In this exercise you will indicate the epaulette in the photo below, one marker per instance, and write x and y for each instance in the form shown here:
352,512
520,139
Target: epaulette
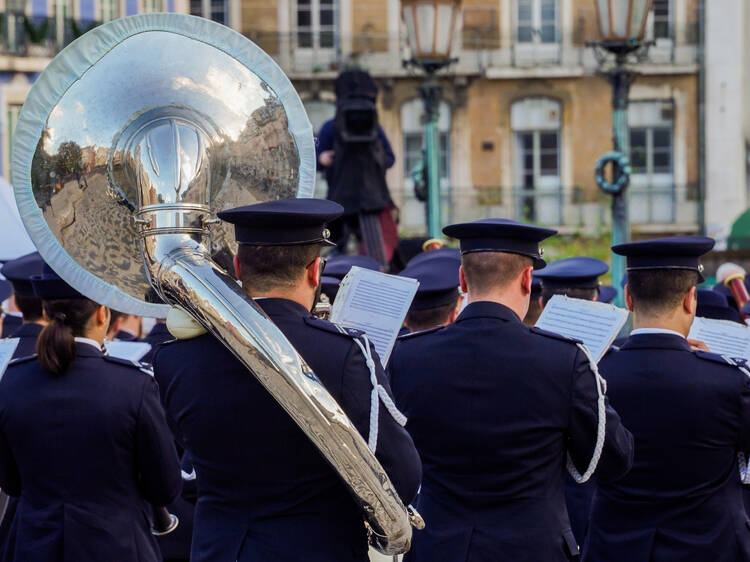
554,335
723,359
332,328
167,342
128,363
411,335
19,360
611,349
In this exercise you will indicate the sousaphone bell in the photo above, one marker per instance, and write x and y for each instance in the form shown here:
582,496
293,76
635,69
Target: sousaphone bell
128,144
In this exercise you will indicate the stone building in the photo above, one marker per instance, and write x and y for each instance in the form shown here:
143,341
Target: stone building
524,115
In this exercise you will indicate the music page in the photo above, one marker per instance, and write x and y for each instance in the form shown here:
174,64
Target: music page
722,336
7,348
130,350
596,324
375,303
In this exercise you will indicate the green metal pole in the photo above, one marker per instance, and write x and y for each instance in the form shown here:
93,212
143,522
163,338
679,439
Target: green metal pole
620,79
430,92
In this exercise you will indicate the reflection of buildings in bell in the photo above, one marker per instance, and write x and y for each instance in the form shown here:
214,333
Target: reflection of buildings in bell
83,239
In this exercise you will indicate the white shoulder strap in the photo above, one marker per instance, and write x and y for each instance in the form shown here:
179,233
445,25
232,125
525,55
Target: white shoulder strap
741,458
378,394
601,428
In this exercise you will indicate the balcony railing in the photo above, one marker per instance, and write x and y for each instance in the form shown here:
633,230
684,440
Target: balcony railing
668,208
477,52
21,35
480,47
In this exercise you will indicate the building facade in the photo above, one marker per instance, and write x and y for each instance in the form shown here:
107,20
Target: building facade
524,115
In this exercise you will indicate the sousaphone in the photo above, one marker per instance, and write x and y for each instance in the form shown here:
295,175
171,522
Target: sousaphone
128,144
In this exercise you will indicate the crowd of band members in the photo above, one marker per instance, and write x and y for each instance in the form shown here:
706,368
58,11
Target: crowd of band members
511,449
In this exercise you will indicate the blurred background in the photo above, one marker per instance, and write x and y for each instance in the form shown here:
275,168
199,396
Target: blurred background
523,111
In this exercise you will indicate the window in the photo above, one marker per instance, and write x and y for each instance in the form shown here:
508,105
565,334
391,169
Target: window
12,118
413,211
63,12
536,132
537,21
216,10
150,6
316,24
109,10
662,23
652,190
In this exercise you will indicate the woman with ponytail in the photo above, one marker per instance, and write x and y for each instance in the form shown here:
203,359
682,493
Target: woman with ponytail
84,444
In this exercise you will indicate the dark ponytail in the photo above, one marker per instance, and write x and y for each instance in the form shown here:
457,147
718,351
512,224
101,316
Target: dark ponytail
56,346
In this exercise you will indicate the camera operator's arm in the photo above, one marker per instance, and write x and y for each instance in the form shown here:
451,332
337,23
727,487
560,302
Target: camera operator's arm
324,146
390,158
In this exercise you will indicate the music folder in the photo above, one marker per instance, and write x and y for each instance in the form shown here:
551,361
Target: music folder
375,303
596,324
7,349
722,336
130,350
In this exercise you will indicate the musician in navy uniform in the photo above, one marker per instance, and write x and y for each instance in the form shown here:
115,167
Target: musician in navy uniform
84,443
265,492
689,412
577,278
437,299
19,272
497,409
713,304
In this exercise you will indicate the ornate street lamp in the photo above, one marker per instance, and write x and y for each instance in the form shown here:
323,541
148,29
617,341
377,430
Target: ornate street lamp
431,26
622,24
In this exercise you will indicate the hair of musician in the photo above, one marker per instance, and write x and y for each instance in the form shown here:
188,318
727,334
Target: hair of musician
655,291
30,307
114,315
271,267
420,320
487,271
577,293
223,258
56,346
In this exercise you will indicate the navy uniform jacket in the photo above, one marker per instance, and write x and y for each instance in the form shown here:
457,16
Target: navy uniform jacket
27,335
83,451
494,408
157,335
690,415
10,324
264,491
175,545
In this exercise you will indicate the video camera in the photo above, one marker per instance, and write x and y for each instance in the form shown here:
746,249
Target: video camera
356,118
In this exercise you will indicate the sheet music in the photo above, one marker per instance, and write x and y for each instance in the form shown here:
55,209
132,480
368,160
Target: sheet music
722,336
375,303
131,350
7,349
596,324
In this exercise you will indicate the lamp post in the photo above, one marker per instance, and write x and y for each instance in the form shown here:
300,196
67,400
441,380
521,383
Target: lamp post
621,24
430,26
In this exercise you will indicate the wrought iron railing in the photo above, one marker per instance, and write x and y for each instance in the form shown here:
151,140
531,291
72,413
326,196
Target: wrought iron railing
23,35
671,207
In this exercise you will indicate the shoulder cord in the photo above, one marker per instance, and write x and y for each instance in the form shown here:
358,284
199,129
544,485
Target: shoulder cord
377,395
601,428
741,459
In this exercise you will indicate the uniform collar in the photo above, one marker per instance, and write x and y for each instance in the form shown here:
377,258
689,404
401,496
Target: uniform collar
657,340
282,307
488,309
86,347
650,331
